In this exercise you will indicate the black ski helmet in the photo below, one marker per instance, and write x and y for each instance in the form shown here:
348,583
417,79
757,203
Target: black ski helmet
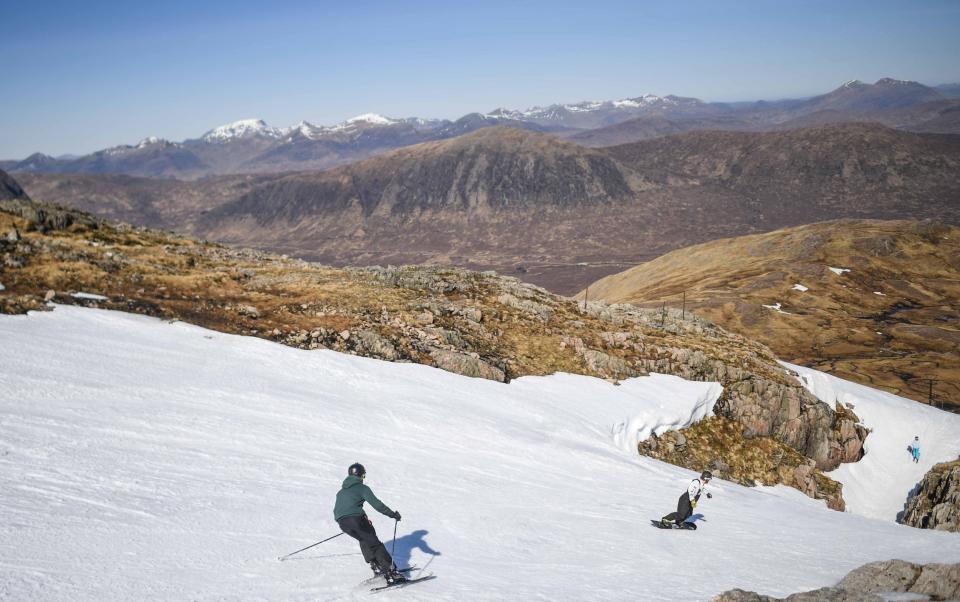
706,474
357,470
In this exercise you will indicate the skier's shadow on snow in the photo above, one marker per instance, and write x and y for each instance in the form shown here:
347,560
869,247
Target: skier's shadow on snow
696,518
405,545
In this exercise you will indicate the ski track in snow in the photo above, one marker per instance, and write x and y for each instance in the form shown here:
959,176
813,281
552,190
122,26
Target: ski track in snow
144,460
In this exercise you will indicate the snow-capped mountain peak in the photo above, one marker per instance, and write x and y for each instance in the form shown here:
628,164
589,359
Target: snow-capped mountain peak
372,118
244,128
149,140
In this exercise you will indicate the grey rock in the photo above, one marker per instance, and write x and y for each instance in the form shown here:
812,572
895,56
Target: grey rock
873,582
939,581
465,364
607,365
537,310
376,344
833,594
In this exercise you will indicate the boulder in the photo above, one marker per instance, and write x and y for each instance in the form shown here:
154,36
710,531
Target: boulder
375,344
883,576
874,582
248,311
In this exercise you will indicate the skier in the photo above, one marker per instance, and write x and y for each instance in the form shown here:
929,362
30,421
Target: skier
915,449
687,502
349,514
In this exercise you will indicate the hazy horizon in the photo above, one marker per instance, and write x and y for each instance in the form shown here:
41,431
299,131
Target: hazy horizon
87,77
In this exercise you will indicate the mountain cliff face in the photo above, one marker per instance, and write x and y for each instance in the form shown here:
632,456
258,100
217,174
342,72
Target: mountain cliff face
493,169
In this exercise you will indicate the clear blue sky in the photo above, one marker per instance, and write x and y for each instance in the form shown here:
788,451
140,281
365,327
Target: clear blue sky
84,75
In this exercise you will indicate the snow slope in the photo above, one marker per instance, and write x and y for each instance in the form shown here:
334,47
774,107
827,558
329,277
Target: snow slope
878,485
146,460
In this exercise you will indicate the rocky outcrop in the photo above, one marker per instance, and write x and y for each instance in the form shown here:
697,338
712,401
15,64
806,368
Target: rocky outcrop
765,402
936,502
874,582
718,444
797,418
44,217
9,188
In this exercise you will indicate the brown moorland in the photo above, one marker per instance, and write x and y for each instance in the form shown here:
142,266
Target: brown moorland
889,319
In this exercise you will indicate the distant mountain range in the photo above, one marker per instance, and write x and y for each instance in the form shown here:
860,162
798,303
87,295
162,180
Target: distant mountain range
252,146
564,214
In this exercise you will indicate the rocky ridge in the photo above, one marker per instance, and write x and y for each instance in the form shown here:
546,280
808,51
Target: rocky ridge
475,323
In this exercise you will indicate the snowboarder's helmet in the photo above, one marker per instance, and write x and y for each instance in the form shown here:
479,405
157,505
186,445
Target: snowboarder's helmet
706,475
357,470
916,438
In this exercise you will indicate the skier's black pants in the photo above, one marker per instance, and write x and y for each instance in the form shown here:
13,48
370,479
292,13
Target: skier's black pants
361,529
684,510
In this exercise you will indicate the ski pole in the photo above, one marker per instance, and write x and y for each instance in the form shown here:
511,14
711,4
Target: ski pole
282,558
393,546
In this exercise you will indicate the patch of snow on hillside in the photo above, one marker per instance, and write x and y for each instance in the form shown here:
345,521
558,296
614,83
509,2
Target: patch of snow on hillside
838,271
777,308
88,296
800,287
877,486
879,293
141,459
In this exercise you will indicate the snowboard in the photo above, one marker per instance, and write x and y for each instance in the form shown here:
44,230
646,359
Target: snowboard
685,527
402,584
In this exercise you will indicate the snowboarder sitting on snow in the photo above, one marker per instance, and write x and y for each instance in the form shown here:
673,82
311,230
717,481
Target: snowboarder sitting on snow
687,502
349,514
915,450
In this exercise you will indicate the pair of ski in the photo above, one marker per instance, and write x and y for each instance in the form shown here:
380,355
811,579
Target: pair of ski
400,584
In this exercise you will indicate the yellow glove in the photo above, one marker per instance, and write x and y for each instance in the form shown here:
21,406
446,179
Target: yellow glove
693,504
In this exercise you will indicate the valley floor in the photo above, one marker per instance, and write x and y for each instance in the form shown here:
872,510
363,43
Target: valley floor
147,460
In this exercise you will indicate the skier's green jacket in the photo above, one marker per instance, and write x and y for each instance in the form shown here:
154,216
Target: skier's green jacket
351,497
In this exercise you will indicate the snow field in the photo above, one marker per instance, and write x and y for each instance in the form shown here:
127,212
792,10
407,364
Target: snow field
141,459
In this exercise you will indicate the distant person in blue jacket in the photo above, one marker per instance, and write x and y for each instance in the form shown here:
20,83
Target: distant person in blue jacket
915,450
